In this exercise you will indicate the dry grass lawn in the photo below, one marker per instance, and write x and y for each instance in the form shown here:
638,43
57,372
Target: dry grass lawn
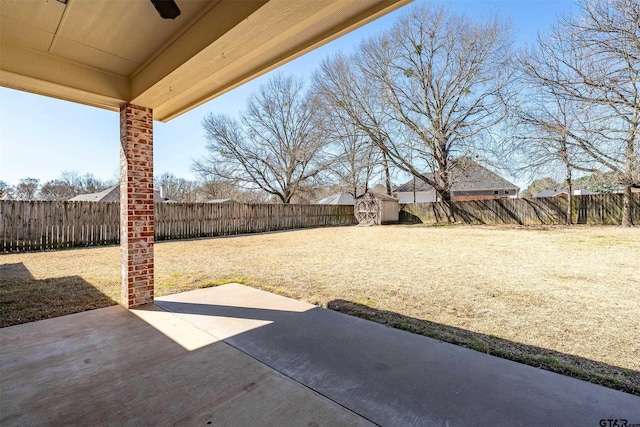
566,299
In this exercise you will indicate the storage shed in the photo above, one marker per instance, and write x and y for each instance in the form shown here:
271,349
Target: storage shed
375,208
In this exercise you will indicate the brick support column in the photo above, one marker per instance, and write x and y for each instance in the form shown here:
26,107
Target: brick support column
136,204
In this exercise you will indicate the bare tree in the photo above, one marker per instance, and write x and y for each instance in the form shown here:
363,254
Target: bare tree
179,188
72,180
27,189
427,91
276,147
353,110
56,190
70,184
592,59
546,183
6,191
547,131
354,159
599,182
88,183
210,188
356,162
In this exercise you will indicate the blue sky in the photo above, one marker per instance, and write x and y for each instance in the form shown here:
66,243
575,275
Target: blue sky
40,137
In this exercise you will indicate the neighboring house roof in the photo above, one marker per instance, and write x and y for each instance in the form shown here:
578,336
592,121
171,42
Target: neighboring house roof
407,187
222,201
550,193
583,192
467,175
379,196
553,193
112,194
379,189
168,199
337,199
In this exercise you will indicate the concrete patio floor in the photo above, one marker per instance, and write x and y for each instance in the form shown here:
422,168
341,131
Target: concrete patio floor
236,356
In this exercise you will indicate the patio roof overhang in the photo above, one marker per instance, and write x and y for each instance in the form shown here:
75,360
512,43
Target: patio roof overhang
107,53
122,55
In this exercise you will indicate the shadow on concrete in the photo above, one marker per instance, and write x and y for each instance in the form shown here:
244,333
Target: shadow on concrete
614,377
24,298
390,376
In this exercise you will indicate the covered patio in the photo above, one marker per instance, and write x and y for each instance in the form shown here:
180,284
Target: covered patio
229,355
236,356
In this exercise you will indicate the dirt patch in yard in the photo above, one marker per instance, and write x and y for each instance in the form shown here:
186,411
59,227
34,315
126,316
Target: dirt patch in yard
565,299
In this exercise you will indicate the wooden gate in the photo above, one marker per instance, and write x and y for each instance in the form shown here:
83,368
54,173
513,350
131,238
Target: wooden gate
368,209
582,209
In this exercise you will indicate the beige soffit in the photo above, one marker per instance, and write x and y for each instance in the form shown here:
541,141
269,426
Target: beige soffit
108,52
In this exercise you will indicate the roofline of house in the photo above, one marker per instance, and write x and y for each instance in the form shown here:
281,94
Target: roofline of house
479,189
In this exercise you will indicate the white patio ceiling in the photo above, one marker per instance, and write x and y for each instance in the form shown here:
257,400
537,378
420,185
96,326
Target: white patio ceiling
105,53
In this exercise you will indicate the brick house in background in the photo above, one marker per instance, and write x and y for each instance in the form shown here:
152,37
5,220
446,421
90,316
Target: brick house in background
471,181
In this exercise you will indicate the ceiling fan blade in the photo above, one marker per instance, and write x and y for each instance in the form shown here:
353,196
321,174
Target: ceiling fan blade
168,9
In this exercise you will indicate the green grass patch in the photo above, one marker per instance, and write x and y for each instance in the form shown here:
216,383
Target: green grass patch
366,303
224,281
400,324
477,345
550,361
627,372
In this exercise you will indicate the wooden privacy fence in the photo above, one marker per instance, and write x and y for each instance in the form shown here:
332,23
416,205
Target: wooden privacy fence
38,225
185,220
598,209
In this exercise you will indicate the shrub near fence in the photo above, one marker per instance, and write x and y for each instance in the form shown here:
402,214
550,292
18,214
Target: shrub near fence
39,225
598,209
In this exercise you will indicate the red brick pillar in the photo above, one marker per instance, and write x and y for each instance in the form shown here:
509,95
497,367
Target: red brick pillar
136,204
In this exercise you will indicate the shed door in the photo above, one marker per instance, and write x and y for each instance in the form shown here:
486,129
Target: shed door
368,211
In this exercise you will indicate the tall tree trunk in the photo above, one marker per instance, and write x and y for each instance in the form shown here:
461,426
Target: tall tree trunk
414,189
445,198
627,206
387,175
627,200
569,197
